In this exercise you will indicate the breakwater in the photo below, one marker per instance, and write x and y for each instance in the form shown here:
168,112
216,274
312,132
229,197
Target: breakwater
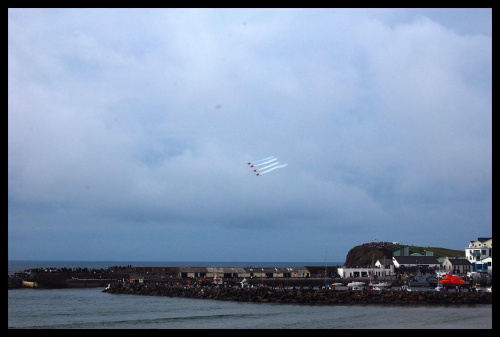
302,296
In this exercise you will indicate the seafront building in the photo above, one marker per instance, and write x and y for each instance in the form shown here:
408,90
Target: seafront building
246,272
478,258
457,265
477,265
480,253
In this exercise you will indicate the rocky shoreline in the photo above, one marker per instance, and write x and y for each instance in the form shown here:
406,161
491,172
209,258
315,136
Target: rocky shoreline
303,296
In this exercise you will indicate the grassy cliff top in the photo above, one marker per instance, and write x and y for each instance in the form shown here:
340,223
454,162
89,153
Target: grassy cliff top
438,251
365,254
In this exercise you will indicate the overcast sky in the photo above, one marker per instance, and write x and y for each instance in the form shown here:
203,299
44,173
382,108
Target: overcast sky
130,130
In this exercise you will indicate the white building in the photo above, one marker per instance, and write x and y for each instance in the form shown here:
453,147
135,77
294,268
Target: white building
382,268
350,272
416,261
479,253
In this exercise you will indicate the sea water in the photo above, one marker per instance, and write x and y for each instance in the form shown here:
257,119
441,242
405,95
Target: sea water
90,308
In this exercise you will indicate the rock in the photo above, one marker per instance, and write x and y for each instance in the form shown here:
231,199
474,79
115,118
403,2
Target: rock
309,296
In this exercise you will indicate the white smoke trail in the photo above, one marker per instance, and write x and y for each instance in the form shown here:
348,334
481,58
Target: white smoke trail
260,160
266,162
274,168
268,166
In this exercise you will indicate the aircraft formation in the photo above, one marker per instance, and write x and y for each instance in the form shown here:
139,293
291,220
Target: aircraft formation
273,165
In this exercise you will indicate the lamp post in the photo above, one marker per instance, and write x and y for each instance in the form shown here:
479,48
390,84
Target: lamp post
326,255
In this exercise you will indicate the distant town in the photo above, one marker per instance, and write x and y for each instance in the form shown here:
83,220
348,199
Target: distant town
403,269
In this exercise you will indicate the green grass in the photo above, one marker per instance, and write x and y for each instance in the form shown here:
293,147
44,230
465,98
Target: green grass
438,251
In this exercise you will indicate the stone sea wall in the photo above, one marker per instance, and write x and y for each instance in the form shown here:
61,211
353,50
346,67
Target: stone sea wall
304,296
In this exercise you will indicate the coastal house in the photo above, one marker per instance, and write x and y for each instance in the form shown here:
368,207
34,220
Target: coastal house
427,262
381,269
300,272
352,272
240,272
214,272
384,267
201,272
283,271
193,272
480,254
454,265
270,272
234,272
259,272
319,271
277,272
